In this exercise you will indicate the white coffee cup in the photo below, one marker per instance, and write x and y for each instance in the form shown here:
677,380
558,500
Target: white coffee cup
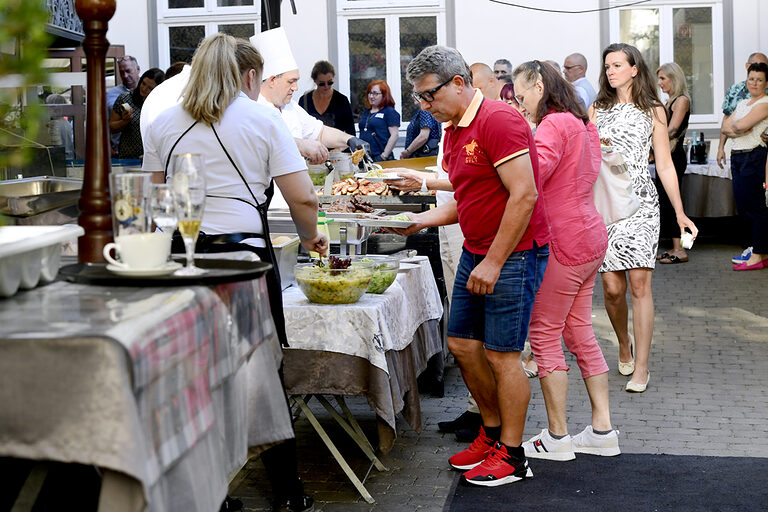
139,251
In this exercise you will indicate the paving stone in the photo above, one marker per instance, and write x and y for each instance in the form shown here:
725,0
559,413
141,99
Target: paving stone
708,396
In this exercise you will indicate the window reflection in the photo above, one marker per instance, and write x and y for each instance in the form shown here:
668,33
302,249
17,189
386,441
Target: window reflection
416,33
693,52
367,58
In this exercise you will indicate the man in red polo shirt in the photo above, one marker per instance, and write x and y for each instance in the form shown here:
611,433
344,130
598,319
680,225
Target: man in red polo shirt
490,157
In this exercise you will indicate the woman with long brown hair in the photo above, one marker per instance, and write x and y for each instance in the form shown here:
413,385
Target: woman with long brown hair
568,150
630,117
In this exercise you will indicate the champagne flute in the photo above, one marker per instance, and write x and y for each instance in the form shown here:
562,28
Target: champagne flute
189,193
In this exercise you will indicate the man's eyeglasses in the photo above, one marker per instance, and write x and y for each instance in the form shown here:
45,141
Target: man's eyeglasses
429,96
323,84
571,67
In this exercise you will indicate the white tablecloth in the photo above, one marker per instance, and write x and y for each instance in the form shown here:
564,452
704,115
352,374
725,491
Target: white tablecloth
371,326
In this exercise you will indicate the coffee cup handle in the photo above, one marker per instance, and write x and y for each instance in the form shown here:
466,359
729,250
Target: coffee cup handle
108,256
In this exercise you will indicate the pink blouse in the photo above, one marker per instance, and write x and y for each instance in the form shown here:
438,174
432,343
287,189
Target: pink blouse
569,162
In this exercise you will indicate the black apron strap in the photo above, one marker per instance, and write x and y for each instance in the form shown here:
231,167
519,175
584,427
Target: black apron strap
170,153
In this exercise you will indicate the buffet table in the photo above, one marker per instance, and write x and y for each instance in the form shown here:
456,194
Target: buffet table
376,347
164,389
706,190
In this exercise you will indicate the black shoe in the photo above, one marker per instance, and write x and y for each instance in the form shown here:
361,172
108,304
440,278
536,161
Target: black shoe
296,504
231,505
467,420
467,435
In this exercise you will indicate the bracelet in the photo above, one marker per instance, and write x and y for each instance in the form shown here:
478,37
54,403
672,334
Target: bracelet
424,185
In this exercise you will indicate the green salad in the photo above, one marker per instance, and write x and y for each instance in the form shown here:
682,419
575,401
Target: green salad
324,285
384,274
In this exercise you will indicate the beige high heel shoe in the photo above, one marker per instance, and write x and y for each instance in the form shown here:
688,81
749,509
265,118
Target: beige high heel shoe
628,368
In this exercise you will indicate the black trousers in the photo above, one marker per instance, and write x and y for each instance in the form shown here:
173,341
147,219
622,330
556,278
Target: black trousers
748,172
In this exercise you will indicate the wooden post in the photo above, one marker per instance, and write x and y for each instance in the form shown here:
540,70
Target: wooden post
95,208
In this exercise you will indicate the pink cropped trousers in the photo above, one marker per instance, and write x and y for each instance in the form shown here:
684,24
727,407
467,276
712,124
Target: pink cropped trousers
563,308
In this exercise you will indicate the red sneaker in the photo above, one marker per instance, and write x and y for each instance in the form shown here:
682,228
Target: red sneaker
498,468
475,454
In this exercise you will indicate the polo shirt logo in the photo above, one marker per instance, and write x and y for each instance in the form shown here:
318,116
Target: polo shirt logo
469,150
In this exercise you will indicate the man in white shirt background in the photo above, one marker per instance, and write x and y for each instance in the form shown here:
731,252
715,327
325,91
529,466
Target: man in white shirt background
575,70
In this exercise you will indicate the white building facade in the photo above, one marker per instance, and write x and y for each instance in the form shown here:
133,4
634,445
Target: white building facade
375,39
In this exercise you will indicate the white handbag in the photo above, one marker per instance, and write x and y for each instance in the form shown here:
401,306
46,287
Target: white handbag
614,197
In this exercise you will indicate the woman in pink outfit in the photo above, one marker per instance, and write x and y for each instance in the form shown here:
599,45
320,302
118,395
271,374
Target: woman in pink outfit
568,148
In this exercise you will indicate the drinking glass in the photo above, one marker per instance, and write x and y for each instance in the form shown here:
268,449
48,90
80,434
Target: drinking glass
162,207
188,183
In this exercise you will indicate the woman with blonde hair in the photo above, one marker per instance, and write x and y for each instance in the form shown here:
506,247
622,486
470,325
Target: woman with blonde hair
671,80
246,146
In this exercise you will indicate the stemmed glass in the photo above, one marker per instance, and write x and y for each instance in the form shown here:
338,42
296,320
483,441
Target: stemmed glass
162,207
188,183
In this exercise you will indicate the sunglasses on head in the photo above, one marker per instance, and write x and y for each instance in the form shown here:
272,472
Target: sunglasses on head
323,84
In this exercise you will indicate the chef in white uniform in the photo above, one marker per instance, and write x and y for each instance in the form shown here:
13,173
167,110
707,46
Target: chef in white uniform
279,82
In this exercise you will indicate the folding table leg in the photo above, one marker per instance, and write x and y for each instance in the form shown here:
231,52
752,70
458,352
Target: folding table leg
352,427
334,451
31,488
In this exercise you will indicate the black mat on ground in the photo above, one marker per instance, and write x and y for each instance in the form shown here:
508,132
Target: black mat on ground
627,482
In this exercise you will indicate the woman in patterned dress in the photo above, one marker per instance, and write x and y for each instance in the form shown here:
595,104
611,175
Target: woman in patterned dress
627,111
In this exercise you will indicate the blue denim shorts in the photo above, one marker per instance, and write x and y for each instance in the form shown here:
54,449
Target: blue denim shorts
501,319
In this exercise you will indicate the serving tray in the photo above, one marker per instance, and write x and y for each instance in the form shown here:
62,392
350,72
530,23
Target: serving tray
219,271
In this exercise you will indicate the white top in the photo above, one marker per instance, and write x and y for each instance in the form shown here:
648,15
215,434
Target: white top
256,139
300,124
752,139
585,90
163,97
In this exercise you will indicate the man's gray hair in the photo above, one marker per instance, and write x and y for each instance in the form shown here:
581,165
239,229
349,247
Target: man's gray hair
443,61
504,62
128,58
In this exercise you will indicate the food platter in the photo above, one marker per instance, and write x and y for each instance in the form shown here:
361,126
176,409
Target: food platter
386,223
389,176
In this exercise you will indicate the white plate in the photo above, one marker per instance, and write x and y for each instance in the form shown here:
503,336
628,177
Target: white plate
386,177
166,269
386,223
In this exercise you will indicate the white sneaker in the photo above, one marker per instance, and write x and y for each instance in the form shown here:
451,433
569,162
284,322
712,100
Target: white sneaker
587,441
544,446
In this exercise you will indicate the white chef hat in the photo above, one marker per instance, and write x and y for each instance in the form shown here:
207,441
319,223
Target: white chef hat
276,52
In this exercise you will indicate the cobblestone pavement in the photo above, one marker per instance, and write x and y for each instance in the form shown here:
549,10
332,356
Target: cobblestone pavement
708,395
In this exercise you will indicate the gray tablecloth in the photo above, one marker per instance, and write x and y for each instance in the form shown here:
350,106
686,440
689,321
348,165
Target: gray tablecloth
168,386
346,360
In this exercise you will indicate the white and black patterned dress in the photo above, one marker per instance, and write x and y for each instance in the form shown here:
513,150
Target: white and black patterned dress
632,242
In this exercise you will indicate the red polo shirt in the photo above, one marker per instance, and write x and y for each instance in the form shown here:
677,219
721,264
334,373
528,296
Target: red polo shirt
489,134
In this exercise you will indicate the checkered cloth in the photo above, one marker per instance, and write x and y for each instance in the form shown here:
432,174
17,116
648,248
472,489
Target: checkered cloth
183,344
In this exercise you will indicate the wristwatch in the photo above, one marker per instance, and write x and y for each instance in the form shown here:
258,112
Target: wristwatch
424,185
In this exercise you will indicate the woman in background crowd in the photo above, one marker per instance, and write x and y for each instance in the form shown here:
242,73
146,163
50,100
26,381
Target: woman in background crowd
326,103
748,161
629,116
422,138
568,149
126,114
380,122
671,80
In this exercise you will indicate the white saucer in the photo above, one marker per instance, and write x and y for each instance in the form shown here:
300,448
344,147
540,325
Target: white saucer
166,269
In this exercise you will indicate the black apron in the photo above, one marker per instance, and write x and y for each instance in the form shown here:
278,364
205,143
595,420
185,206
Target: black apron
229,242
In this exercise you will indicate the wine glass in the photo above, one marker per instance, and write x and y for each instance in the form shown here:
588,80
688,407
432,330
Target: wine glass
188,184
162,207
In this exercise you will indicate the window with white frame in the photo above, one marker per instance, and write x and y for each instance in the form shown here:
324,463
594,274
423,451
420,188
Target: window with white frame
182,24
689,33
377,41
